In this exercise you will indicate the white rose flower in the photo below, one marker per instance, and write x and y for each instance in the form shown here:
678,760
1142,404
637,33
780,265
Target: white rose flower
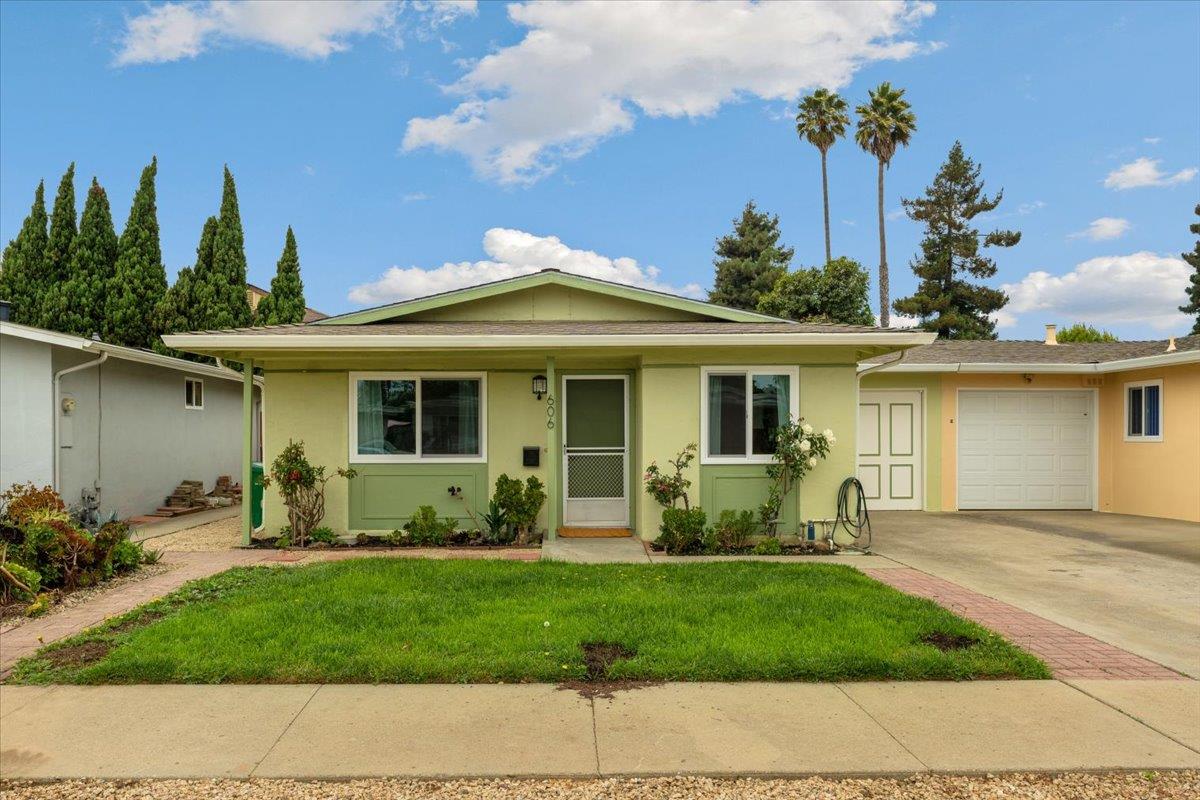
812,462
827,433
832,441
805,446
806,428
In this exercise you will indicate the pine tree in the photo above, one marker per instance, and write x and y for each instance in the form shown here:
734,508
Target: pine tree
285,304
22,266
176,310
837,293
749,260
63,228
78,302
1193,258
950,253
225,284
139,279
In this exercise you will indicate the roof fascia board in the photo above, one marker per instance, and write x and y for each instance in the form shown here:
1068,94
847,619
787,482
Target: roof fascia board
242,342
43,335
1161,360
419,304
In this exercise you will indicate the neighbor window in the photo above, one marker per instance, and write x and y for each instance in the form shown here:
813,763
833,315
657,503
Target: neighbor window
193,393
1143,411
414,417
743,407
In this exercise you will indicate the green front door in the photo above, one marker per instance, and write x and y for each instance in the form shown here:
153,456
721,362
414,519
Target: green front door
596,451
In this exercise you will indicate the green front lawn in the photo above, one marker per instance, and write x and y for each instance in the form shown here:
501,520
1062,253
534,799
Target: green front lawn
416,621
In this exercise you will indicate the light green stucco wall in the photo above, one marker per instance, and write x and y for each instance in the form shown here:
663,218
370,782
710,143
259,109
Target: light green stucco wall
384,496
669,409
312,407
515,418
552,302
827,400
930,385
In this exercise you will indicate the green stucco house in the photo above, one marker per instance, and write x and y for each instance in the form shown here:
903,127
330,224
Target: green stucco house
576,380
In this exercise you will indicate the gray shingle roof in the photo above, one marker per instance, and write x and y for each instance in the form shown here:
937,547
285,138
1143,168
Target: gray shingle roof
549,328
1035,352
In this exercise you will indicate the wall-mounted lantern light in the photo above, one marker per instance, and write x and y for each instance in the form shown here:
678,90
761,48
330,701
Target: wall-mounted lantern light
540,387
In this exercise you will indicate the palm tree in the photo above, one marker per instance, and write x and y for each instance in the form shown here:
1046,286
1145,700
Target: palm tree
822,121
884,123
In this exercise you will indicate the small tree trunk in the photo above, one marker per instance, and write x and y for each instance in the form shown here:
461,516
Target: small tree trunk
825,194
884,314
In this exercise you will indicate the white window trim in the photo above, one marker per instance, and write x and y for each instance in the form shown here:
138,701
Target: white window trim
1162,422
193,406
418,458
750,370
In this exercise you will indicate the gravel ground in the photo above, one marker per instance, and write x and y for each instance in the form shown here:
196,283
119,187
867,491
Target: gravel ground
224,534
1071,786
72,599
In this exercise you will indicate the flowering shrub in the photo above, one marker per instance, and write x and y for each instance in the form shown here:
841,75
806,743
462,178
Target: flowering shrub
28,503
669,489
798,448
302,487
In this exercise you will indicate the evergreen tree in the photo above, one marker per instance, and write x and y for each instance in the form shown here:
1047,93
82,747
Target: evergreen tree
22,266
950,253
1082,332
58,248
885,123
225,284
836,293
78,302
139,280
1193,259
285,304
749,260
176,310
202,278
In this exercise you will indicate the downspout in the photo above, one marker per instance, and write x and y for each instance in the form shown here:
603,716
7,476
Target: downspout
58,376
877,367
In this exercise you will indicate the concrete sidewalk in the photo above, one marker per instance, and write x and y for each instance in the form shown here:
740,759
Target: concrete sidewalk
540,730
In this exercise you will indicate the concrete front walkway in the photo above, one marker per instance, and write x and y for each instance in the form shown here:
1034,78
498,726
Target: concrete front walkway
541,730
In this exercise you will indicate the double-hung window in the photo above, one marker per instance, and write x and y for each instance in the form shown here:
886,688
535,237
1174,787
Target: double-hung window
193,394
424,417
1143,411
742,407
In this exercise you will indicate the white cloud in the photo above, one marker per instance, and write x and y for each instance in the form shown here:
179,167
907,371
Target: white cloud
1152,139
309,169
415,197
1138,289
1103,229
900,320
1145,172
512,253
584,70
312,29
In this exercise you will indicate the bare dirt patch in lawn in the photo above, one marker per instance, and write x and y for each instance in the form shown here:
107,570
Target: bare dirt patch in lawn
598,658
948,641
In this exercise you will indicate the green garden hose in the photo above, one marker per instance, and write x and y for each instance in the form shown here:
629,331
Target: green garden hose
860,524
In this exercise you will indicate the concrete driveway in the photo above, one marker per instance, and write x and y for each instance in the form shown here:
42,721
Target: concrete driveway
1131,581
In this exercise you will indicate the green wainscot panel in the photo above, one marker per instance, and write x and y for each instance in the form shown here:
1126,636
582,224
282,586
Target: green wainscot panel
739,487
384,496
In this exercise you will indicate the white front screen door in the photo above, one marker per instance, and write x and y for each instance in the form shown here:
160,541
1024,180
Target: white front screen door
890,445
596,451
1026,449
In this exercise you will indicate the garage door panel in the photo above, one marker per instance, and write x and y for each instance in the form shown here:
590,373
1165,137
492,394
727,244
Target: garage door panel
1025,449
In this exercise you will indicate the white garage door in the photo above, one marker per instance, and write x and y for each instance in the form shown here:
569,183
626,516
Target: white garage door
1025,449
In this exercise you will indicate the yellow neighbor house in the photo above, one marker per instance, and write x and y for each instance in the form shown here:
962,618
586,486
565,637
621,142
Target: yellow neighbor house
583,383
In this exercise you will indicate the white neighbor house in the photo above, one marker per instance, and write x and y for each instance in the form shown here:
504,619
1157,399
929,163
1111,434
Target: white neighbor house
82,415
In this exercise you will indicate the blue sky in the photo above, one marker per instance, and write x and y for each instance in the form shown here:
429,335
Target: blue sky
415,147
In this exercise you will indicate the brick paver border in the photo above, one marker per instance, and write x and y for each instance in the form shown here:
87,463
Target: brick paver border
1068,653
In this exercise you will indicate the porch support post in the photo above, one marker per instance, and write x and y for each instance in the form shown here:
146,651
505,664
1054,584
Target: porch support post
553,451
247,449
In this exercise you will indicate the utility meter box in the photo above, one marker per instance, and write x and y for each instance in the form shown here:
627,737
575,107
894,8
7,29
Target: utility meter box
531,456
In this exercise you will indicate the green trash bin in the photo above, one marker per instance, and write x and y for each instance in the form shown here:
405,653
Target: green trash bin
256,494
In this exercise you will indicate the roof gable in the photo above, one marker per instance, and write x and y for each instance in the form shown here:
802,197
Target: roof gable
549,295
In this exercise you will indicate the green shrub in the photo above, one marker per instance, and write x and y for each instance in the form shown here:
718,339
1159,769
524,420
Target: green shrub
682,531
40,605
127,556
733,529
9,590
520,504
42,550
323,534
768,547
424,529
497,524
22,503
283,541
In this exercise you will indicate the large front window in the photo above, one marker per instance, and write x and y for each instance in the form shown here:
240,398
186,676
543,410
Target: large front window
417,417
743,407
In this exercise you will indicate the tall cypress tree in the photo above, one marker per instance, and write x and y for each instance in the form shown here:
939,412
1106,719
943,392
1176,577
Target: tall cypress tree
749,260
1193,292
139,280
184,306
22,265
228,306
950,254
78,303
285,304
58,248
